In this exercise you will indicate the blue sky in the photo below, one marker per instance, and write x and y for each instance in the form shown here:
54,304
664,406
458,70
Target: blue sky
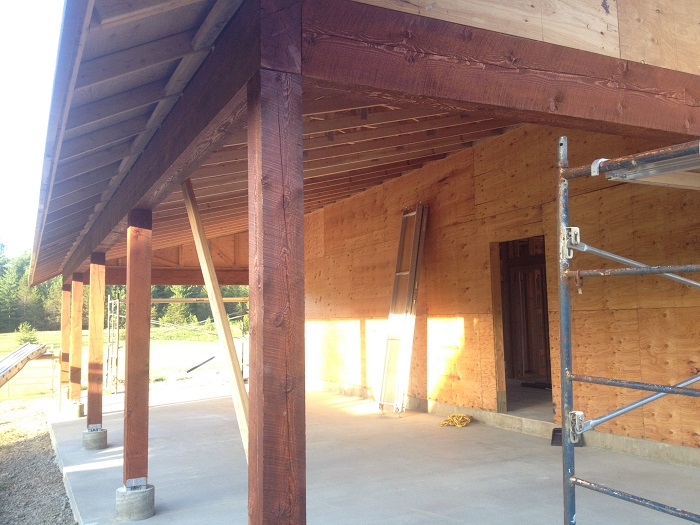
28,41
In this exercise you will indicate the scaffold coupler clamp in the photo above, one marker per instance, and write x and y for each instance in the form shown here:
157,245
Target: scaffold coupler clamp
576,419
573,238
595,167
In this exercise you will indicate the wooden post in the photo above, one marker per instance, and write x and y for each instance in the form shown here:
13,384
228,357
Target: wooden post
277,467
76,337
138,332
96,349
65,333
240,396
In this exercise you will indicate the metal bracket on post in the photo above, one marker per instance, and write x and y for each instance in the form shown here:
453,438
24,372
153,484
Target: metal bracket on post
94,427
576,419
136,484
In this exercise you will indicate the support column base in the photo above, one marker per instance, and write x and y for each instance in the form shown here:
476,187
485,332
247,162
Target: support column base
135,504
95,439
74,409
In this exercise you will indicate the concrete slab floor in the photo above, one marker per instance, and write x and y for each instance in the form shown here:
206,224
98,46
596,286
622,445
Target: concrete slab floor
363,468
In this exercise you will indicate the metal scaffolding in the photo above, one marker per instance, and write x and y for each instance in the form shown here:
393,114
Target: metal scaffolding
656,163
116,312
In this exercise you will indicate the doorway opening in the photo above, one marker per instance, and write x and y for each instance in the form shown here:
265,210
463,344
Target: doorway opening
525,322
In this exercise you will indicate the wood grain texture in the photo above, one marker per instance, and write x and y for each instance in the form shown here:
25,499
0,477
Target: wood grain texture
77,16
189,276
277,468
96,338
369,46
198,123
647,32
636,329
76,337
585,25
137,343
221,321
65,333
280,35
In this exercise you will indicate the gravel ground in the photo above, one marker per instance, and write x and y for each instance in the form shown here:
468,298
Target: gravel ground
31,485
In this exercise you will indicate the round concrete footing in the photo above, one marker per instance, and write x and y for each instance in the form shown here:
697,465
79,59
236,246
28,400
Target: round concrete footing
95,439
135,504
73,409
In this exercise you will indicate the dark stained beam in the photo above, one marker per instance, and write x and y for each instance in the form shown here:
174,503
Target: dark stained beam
361,45
212,104
277,450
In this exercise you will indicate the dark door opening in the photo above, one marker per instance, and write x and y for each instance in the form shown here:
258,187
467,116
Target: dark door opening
526,328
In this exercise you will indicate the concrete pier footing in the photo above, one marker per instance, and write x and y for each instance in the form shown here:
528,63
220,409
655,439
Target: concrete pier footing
135,504
95,439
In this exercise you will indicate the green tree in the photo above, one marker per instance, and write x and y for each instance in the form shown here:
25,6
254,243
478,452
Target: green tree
10,311
26,334
181,313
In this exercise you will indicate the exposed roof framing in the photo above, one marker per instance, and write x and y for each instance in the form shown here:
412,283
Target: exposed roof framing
151,92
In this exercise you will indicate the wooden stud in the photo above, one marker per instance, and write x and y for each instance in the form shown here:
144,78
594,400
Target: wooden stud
277,469
76,336
96,327
65,332
240,396
137,342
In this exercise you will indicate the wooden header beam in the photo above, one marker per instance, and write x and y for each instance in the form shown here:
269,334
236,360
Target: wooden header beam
382,50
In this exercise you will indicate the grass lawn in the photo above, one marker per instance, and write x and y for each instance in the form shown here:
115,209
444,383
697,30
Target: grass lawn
174,350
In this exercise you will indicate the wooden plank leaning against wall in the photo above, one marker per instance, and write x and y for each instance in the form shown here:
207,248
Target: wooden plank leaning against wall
502,190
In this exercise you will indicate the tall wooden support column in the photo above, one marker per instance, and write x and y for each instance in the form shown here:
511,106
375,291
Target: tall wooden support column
138,334
277,447
95,437
65,334
135,500
76,337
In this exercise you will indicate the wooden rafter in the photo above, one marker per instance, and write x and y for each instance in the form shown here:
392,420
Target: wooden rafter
196,125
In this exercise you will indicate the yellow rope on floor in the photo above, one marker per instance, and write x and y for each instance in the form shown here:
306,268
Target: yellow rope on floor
456,420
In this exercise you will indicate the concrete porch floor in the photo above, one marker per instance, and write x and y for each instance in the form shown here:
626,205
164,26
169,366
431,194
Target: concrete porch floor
362,468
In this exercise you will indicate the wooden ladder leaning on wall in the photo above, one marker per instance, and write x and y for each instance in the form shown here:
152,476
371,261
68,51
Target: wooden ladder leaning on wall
402,311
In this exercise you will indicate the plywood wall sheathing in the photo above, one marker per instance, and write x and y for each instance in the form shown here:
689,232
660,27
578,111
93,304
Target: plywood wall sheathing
501,190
